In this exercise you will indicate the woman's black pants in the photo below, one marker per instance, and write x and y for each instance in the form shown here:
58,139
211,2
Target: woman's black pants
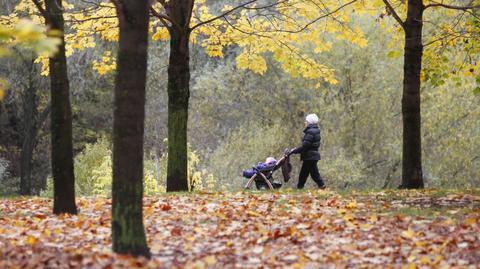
309,168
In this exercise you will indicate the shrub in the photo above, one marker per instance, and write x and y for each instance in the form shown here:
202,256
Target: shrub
93,172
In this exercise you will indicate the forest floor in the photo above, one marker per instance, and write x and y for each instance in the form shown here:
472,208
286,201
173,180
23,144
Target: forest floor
287,229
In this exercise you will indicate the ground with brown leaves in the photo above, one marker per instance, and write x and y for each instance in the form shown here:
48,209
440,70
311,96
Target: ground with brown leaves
309,229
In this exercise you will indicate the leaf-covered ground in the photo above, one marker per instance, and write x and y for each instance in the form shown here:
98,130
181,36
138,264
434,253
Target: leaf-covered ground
310,229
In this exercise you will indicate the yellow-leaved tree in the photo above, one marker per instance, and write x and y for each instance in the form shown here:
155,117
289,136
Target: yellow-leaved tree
280,28
433,33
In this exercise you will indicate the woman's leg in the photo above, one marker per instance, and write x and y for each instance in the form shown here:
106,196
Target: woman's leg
302,178
316,175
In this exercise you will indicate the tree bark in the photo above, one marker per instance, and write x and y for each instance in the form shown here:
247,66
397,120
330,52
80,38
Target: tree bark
412,146
28,138
61,118
128,235
178,96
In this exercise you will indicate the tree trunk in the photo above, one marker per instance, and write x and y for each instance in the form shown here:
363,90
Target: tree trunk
28,139
178,96
61,118
412,147
128,235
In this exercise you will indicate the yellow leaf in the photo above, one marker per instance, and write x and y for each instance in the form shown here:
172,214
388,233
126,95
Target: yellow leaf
470,221
195,265
420,243
348,217
425,260
438,259
31,240
352,205
341,211
98,205
210,260
253,213
408,234
161,34
47,232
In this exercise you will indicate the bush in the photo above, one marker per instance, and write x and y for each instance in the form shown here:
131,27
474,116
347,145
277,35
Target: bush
197,179
93,172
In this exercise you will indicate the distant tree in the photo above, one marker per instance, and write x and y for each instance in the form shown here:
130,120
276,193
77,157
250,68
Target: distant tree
32,121
128,235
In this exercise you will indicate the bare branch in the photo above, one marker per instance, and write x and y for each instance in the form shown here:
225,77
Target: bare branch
394,13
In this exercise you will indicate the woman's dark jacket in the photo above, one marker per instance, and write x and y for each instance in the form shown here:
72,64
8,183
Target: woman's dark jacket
310,144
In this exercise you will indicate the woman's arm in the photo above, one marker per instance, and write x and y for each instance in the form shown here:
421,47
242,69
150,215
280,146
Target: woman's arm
306,143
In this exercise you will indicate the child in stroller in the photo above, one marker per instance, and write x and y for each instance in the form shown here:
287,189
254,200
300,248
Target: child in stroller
262,173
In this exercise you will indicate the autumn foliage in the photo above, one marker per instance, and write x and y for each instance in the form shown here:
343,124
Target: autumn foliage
248,230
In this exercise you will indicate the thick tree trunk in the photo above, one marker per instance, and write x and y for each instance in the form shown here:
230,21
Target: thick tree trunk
61,119
178,97
180,13
412,146
128,235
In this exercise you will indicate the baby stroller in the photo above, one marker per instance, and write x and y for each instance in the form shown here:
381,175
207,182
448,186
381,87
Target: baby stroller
262,173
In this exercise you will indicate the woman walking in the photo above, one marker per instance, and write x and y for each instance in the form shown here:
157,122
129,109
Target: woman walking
309,154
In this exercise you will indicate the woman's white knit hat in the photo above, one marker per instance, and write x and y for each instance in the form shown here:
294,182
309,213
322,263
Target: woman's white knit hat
312,119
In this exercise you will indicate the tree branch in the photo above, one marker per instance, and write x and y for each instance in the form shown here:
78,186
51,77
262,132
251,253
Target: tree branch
436,4
90,19
41,9
394,14
317,19
223,15
163,18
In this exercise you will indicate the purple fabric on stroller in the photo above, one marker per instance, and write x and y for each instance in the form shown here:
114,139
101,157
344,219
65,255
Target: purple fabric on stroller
260,167
248,173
